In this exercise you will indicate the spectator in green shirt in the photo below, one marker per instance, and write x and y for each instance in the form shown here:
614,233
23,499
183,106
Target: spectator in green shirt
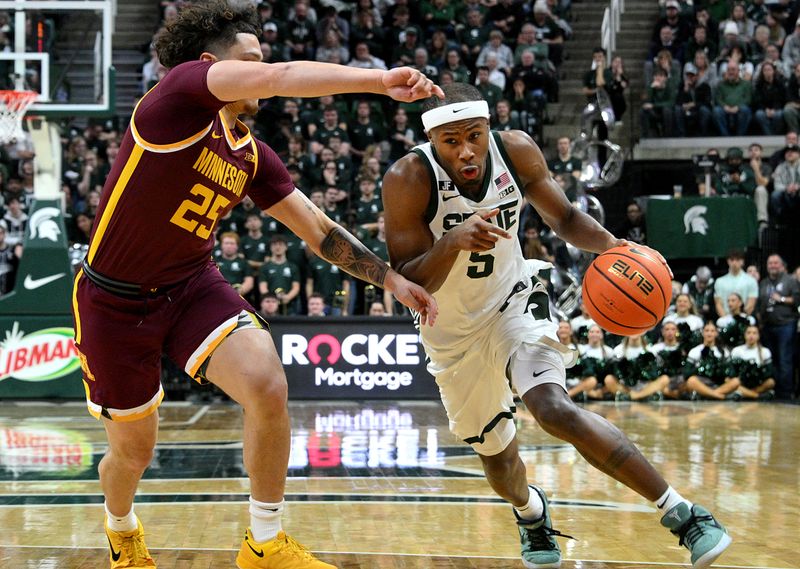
329,282
732,112
233,265
736,178
280,276
657,111
565,162
255,244
491,92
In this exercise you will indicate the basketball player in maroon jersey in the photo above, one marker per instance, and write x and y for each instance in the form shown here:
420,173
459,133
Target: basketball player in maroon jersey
452,206
148,284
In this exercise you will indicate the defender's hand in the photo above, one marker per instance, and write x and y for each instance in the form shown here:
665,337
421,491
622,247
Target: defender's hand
413,296
476,234
407,84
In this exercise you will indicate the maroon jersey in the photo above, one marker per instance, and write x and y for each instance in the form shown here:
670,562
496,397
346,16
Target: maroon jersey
178,172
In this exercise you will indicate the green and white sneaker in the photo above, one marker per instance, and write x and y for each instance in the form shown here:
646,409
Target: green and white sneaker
699,532
538,538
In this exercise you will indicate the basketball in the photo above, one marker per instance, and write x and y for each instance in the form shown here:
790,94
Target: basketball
627,290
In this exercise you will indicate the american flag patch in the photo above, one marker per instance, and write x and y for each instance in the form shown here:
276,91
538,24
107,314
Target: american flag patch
502,180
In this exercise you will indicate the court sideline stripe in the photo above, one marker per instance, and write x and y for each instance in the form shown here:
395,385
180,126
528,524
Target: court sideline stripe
376,553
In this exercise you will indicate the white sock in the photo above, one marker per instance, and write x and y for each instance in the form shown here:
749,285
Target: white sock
669,500
127,522
534,509
265,519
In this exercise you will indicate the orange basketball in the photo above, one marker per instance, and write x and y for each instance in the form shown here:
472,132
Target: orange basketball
627,290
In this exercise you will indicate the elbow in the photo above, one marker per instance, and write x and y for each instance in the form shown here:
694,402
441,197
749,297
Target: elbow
561,225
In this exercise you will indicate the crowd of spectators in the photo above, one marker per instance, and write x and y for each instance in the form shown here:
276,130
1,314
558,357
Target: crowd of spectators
337,149
723,68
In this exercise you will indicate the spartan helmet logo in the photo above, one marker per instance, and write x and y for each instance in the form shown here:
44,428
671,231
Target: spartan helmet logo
43,226
693,220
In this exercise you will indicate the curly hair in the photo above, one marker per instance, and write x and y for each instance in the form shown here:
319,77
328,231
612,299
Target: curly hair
205,26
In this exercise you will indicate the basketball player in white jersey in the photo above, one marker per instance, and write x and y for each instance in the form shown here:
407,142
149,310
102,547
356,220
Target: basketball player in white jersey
452,206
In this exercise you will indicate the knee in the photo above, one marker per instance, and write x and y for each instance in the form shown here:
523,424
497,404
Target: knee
264,391
500,466
556,415
134,457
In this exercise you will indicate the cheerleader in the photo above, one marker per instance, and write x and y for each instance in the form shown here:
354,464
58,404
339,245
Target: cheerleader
577,386
636,375
751,363
689,323
595,359
670,360
732,326
706,367
580,325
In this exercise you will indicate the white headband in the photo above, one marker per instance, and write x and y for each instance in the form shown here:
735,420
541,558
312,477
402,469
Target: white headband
455,112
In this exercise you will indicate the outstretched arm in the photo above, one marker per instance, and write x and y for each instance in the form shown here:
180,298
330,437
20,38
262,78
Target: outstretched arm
233,80
412,250
336,245
548,198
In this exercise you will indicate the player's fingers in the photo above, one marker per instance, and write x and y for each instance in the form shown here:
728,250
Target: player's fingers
426,305
423,87
479,245
431,311
485,238
490,213
438,91
413,78
494,230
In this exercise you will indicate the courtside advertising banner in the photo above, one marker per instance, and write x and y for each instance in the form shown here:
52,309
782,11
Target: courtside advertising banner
353,358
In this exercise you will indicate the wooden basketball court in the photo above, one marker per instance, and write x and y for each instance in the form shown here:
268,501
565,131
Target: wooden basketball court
377,485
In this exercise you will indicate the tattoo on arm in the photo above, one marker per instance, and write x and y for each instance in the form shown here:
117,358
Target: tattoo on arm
341,248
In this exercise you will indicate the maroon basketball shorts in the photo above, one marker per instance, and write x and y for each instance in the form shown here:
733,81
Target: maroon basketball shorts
121,339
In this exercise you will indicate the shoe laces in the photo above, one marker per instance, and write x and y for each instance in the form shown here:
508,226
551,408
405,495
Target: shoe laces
693,529
296,548
540,537
135,548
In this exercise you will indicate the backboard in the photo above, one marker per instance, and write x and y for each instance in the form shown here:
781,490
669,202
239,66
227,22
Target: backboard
64,54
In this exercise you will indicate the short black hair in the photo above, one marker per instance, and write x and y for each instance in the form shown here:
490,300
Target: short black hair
736,254
208,26
455,93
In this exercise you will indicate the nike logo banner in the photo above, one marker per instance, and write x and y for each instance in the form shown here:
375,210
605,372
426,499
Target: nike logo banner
31,283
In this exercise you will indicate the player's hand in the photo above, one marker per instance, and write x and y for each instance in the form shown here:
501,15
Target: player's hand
413,296
407,84
656,254
476,234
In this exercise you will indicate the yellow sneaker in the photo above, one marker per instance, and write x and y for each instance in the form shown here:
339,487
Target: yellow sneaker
128,549
280,553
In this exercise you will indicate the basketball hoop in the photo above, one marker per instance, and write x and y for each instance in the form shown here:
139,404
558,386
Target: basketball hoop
13,105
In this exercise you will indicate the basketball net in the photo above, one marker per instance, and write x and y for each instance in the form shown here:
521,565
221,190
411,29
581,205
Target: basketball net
13,105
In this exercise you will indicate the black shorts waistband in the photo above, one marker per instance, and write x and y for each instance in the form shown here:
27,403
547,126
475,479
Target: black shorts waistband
130,290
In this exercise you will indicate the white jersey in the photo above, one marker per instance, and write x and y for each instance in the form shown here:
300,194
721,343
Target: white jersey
473,295
629,353
695,322
757,355
601,352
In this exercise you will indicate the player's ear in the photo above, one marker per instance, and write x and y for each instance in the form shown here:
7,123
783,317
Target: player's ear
208,56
